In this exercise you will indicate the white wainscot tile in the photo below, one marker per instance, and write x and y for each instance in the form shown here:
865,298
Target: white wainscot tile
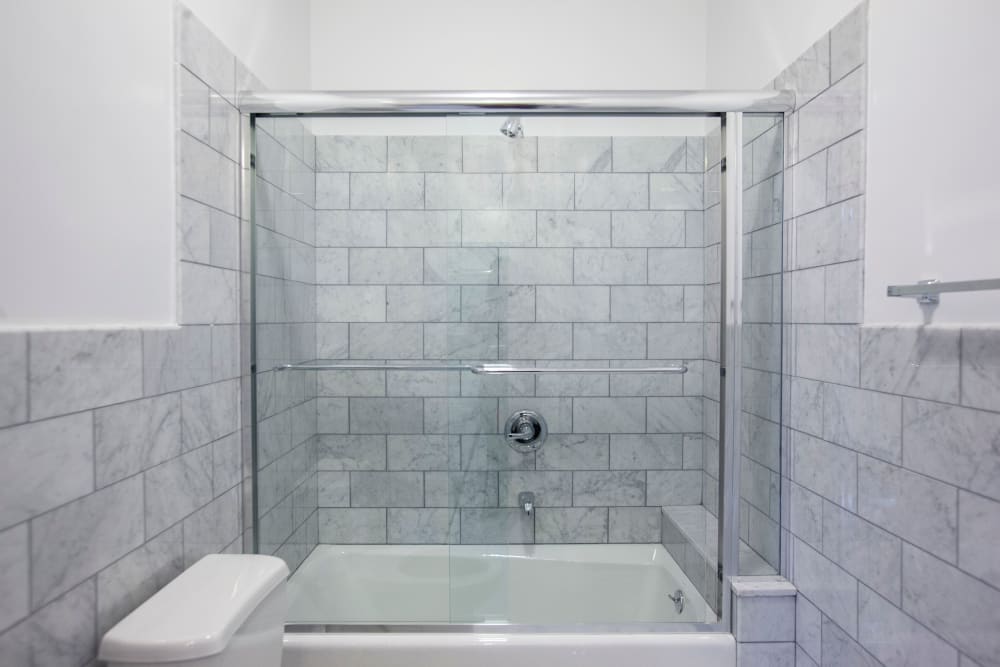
14,370
913,361
981,368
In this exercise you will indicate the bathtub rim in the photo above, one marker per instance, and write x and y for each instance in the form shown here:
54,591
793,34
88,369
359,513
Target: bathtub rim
503,629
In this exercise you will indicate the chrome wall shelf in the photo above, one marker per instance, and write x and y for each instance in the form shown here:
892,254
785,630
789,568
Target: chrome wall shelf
928,292
477,369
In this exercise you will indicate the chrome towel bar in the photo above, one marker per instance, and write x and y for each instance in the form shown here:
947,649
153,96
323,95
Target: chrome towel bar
477,369
928,291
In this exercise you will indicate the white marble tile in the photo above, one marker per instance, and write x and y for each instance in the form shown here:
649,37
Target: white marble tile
677,192
496,526
423,452
571,525
980,369
352,526
333,489
578,229
970,624
200,51
764,619
422,526
194,104
425,154
809,74
533,266
644,229
55,464
913,361
463,191
865,421
350,228
979,536
649,304
673,487
506,303
953,444
845,175
609,341
643,452
558,412
826,469
331,266
423,303
870,554
535,191
351,452
619,266
386,341
176,488
497,385
571,384
848,42
499,154
843,285
79,539
77,370
331,415
551,488
206,175
536,341
461,341
574,154
387,489
763,204
424,228
620,488
676,266
333,191
386,415
838,647
209,295
498,228
609,415
331,340
835,113
61,634
490,452
129,582
808,630
830,235
612,191
14,564
379,266
809,179
131,437
574,452
346,153
766,154
895,638
466,265
830,588
675,340
193,230
695,154
209,412
841,362
634,525
14,370
649,154
387,191
572,304
893,497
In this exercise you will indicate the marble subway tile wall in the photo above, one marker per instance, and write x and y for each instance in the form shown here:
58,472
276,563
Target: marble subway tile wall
285,226
890,465
569,251
123,447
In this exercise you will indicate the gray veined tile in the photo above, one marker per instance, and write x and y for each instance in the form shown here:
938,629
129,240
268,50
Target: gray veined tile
845,176
333,489
387,191
77,540
865,421
498,228
649,154
490,452
645,452
499,154
176,358
647,304
386,340
425,154
14,559
496,526
809,74
352,526
676,266
978,536
574,154
60,634
826,469
571,525
224,127
536,341
839,648
571,384
424,228
848,42
841,362
14,370
333,191
829,235
423,303
194,104
572,304
954,444
618,266
463,191
912,361
675,340
634,525
764,618
648,228
345,153
612,191
387,489
131,437
463,266
837,112
674,414
209,295
193,230
206,175
531,266
460,415
765,654
684,192
351,452
619,488
423,526
506,303
981,368
351,303
535,191
609,341
201,52
832,589
808,629
422,383
867,552
386,415
578,229
674,487
77,370
895,638
55,464
461,489
351,228
176,488
574,452
454,340
386,265
551,488
891,497
209,412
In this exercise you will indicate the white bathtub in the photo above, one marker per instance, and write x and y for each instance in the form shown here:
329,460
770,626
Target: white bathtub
540,585
523,584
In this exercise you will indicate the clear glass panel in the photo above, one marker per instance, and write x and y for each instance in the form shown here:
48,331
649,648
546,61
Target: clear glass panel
760,469
588,243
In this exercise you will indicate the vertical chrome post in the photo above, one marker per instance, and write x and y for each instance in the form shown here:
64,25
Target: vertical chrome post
730,354
248,333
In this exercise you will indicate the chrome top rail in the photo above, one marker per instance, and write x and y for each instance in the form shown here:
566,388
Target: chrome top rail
927,291
530,102
477,369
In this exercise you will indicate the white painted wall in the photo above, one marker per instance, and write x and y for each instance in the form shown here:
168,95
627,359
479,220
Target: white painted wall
86,163
750,41
933,192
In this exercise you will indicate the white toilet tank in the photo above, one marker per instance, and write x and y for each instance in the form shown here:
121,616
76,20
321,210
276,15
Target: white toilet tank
223,611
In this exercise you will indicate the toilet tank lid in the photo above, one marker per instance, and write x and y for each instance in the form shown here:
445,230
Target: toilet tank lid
196,614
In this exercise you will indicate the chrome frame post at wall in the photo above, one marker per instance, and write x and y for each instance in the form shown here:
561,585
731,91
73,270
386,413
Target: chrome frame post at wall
248,333
730,352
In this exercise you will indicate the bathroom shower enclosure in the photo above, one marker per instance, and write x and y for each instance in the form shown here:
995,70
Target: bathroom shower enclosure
507,374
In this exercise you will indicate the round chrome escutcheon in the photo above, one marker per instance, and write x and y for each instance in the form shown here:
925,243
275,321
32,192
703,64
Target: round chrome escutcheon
525,431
